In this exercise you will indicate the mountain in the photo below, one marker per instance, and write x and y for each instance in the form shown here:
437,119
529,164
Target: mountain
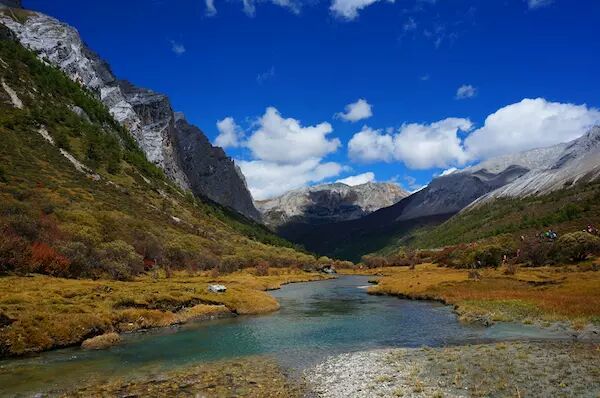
328,203
535,172
182,151
79,198
564,166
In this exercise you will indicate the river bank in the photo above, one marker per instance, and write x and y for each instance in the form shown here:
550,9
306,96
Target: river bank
547,296
517,369
40,313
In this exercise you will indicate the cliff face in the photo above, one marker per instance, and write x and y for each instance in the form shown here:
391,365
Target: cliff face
210,171
147,115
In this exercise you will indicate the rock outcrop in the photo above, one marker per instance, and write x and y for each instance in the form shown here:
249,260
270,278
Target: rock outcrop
147,115
329,203
210,171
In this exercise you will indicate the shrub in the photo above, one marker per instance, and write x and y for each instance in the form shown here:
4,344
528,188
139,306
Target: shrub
488,256
231,264
119,260
83,259
262,268
46,260
371,261
577,246
535,253
15,254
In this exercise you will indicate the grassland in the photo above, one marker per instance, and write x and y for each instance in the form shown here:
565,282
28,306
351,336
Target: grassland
41,312
541,295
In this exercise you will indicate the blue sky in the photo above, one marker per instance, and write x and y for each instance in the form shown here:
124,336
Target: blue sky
256,66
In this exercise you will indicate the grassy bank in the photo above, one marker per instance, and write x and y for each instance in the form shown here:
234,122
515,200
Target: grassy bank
249,377
40,312
545,294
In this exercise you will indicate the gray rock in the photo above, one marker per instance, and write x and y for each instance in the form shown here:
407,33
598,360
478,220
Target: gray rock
211,173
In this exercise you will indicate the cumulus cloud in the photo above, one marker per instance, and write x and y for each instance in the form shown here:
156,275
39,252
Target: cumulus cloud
286,141
348,9
211,10
230,134
531,123
177,48
419,146
533,4
285,154
358,179
466,91
268,179
356,111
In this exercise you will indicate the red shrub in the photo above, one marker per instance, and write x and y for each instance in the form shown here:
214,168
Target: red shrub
47,260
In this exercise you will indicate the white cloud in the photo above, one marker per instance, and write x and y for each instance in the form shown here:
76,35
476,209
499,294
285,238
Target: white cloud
358,179
286,141
268,179
370,145
285,154
211,10
425,78
531,123
177,48
356,111
419,146
533,4
348,9
230,134
448,171
466,91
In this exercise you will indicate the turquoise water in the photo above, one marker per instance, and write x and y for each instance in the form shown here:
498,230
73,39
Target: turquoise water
316,320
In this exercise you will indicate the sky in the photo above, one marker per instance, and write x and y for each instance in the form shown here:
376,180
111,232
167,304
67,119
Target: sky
306,92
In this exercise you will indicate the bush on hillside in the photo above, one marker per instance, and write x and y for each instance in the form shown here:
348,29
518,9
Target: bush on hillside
577,246
535,253
119,260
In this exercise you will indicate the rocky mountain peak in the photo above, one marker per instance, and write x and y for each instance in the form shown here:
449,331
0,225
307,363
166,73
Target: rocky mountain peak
178,148
328,203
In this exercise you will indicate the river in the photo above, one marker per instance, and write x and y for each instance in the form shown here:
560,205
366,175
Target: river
316,319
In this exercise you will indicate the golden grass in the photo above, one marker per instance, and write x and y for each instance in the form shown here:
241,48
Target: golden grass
49,312
531,295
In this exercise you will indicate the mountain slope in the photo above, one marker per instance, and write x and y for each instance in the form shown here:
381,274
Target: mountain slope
147,115
535,172
78,198
328,203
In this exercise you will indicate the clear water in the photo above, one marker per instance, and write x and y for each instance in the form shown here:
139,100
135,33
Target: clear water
316,319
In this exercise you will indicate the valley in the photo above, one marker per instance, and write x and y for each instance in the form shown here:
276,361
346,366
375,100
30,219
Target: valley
144,255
